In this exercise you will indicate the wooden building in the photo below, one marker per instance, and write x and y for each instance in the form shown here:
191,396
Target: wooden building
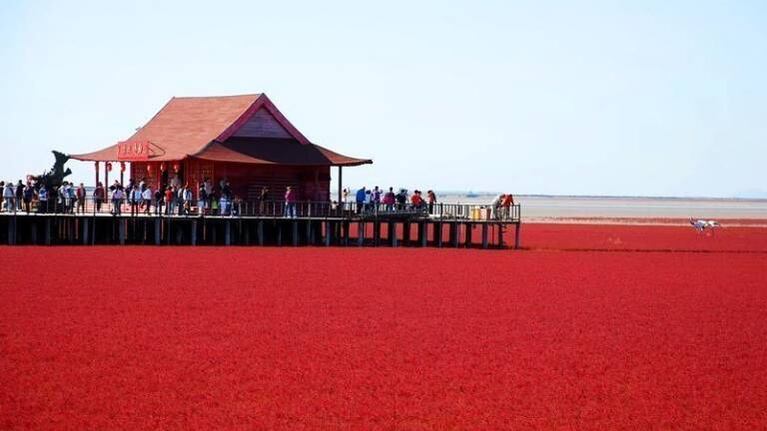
243,139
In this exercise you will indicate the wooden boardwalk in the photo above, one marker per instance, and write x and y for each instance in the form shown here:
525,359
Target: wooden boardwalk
99,228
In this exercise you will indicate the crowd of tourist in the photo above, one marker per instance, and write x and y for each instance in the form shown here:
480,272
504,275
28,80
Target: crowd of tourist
138,197
376,199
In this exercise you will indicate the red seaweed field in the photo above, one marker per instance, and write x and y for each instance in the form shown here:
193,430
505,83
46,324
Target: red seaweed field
411,339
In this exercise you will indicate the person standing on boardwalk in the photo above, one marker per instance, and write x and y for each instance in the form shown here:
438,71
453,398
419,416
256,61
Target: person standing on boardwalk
169,199
290,202
19,195
262,198
42,199
388,199
136,197
146,196
431,197
507,202
98,196
8,194
81,198
117,199
29,196
360,198
158,199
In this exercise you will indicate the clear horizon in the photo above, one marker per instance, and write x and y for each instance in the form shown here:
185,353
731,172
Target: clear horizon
588,98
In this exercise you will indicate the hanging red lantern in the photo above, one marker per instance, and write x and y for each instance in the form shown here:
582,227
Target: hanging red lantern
149,169
162,167
109,166
176,167
122,166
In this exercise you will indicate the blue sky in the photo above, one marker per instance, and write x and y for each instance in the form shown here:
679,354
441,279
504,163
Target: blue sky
615,98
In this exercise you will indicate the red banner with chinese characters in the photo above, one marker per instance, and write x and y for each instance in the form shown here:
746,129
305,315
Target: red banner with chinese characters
133,150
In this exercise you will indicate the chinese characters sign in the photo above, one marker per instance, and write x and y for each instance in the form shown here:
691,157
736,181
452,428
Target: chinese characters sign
133,150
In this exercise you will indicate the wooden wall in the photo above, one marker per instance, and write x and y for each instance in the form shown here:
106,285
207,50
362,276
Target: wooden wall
262,125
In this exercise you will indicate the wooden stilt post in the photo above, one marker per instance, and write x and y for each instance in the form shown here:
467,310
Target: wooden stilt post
260,232
279,233
86,231
424,233
328,233
360,233
121,230
33,231
308,232
157,230
12,230
438,233
455,230
47,231
294,226
406,233
484,235
246,233
517,238
393,233
500,235
228,233
194,232
376,232
469,231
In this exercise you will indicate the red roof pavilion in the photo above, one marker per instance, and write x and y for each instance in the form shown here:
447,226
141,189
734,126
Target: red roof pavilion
244,139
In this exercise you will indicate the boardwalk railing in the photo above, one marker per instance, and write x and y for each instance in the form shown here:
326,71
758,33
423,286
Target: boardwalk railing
268,209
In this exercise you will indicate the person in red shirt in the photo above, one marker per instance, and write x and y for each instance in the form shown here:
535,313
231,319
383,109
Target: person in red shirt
507,202
416,200
168,200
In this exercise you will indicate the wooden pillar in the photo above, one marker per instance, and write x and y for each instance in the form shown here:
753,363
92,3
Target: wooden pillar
294,228
279,233
260,232
228,233
454,233
328,233
33,231
484,235
517,232
376,232
47,231
393,233
157,237
406,233
360,233
86,231
500,235
469,231
438,233
194,232
11,230
121,230
308,232
246,232
423,232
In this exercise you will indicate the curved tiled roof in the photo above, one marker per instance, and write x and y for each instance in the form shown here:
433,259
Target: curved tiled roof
201,127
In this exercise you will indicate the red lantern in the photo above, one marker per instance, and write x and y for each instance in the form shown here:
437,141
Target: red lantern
149,169
122,166
109,166
176,167
162,167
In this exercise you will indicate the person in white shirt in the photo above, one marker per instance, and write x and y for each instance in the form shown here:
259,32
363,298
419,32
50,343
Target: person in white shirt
146,196
8,195
135,200
117,197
